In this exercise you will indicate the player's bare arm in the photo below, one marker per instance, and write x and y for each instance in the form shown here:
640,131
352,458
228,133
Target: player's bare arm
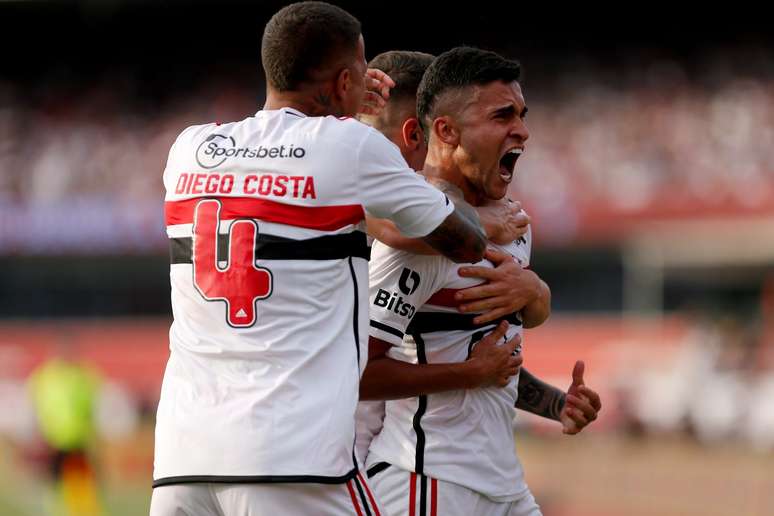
575,409
458,238
490,364
503,221
509,288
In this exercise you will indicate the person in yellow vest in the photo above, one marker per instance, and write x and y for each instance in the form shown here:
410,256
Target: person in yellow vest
64,395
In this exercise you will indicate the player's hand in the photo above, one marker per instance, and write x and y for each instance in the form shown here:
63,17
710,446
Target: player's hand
378,85
581,405
504,221
508,288
493,362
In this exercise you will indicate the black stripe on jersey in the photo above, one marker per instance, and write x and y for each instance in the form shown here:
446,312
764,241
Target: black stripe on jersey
423,497
387,329
271,247
355,316
362,497
356,332
419,461
377,468
254,479
428,322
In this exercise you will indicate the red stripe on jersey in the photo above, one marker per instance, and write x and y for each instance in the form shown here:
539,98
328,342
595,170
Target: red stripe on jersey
433,497
354,499
445,297
325,218
370,496
413,494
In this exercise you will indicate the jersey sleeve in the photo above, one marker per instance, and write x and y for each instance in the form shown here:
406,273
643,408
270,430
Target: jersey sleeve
391,190
399,283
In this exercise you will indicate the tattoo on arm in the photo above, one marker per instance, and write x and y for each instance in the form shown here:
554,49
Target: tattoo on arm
458,239
538,397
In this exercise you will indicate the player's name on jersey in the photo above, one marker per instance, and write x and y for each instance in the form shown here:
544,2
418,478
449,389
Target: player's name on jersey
264,185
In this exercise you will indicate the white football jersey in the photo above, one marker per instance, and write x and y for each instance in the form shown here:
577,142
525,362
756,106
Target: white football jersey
463,436
269,282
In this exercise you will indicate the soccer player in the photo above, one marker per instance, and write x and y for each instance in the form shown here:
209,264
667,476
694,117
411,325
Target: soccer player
504,292
450,450
269,282
502,220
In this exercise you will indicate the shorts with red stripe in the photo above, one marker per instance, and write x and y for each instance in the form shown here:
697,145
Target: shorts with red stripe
353,498
405,493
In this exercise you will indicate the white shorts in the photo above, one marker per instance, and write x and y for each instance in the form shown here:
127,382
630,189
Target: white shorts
403,493
353,498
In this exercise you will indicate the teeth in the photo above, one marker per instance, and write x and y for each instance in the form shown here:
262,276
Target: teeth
515,151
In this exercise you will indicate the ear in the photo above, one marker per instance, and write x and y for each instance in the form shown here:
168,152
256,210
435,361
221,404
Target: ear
413,135
444,129
343,83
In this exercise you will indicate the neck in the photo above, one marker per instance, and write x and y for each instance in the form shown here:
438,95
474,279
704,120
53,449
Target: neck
312,101
440,167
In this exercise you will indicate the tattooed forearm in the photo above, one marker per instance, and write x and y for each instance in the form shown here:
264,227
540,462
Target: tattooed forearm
459,239
454,193
538,397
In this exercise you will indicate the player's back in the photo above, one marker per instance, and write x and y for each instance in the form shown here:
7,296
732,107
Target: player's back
269,262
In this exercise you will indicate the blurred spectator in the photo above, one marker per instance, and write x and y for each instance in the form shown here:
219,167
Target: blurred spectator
64,396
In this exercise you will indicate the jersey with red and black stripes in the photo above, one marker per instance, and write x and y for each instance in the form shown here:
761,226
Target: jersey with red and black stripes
458,436
265,219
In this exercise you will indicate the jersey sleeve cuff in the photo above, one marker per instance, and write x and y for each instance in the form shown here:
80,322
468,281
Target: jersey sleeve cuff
385,332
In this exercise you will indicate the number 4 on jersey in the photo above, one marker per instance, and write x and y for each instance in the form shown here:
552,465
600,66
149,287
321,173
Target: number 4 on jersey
240,283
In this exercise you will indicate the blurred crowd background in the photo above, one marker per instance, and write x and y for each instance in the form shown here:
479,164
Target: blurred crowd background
649,176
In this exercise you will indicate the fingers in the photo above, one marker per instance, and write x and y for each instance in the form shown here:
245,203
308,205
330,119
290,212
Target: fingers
373,104
489,303
481,291
591,396
512,344
582,408
474,271
574,421
521,220
577,373
381,78
496,256
498,333
571,430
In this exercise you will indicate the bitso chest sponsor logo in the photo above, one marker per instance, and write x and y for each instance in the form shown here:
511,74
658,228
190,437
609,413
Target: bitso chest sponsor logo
393,301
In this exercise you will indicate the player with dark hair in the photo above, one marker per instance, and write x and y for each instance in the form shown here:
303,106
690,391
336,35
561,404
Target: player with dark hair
448,448
265,218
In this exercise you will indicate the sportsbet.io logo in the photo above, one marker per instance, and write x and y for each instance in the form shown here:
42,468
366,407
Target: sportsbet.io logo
212,152
217,148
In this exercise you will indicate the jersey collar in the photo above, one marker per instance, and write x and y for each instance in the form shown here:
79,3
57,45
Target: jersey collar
288,110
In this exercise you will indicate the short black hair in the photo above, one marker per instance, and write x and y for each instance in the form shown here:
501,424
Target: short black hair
458,68
404,67
303,37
